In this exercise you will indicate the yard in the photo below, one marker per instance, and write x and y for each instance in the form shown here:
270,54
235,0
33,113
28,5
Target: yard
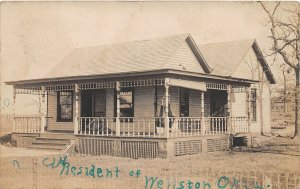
273,163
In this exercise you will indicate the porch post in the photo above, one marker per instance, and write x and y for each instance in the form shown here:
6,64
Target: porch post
167,107
202,114
248,92
118,89
43,110
229,126
76,121
14,109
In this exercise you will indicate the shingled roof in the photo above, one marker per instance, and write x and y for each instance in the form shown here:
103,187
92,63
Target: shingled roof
225,57
178,52
171,52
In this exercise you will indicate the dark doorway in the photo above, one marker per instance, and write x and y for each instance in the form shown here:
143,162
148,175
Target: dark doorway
93,103
218,106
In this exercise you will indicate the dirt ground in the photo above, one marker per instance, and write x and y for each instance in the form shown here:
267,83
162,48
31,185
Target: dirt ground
25,168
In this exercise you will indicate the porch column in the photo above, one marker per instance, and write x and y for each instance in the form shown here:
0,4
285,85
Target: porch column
14,109
43,110
229,126
202,114
167,107
76,121
248,92
118,89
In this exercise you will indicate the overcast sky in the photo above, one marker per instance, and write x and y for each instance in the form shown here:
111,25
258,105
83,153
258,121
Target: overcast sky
37,35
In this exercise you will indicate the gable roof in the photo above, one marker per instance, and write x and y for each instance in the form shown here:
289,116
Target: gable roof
171,52
224,58
178,53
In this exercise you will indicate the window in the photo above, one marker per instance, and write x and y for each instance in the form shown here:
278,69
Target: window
253,105
65,106
184,102
126,103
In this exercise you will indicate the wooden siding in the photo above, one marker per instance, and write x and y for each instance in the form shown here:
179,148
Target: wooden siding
251,68
184,58
100,103
207,104
144,102
110,103
52,114
195,103
239,104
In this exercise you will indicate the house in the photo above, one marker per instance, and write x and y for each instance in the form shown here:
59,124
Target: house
161,97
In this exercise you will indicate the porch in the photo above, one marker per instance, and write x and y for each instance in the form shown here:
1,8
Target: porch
140,113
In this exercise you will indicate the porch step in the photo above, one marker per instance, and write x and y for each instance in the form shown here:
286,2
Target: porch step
48,147
68,136
52,141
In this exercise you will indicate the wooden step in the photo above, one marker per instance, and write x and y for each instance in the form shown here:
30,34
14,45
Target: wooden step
48,147
52,141
69,136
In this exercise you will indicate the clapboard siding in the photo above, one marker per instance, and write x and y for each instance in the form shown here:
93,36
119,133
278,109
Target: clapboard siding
110,103
174,101
207,104
144,102
52,114
100,103
238,104
195,103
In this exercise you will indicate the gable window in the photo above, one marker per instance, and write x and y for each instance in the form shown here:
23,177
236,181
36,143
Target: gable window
126,103
253,105
65,106
184,102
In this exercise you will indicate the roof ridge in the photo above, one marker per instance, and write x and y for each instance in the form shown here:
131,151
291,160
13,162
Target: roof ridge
133,41
224,42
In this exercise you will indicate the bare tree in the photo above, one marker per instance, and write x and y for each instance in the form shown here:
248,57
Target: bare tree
284,22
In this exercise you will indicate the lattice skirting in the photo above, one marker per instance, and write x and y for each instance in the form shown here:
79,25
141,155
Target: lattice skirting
131,149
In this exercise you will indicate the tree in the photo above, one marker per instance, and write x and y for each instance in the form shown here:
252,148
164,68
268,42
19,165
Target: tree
284,23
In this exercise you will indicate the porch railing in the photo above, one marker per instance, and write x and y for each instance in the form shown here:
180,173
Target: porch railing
216,125
185,126
129,126
154,126
26,124
239,124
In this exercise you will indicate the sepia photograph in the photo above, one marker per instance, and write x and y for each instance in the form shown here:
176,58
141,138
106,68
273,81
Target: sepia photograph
149,95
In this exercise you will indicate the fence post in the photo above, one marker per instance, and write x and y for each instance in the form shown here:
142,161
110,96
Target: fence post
118,127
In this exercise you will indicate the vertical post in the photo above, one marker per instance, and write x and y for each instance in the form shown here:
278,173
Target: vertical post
14,109
43,110
229,125
76,121
248,92
167,107
202,114
118,89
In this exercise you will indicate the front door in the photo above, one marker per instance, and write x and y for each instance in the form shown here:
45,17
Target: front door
218,106
93,103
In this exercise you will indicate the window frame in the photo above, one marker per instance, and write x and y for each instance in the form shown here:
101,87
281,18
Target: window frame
130,89
58,105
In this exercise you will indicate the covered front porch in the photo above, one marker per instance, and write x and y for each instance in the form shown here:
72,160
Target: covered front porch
145,108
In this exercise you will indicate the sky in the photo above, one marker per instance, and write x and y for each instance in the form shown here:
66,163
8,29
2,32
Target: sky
35,36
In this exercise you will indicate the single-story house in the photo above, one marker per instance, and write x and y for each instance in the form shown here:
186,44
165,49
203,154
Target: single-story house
160,97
